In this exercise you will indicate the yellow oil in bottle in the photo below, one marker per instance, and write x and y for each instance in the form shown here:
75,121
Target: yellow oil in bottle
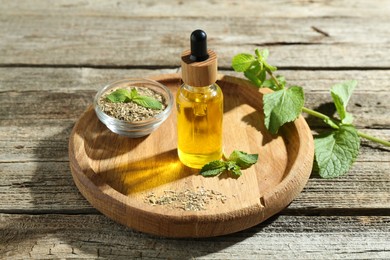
199,124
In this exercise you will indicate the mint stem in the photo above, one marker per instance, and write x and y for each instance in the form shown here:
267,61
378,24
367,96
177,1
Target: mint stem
314,113
374,139
275,79
328,120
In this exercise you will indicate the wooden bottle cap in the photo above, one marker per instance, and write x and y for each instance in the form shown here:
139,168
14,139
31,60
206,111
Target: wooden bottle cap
199,73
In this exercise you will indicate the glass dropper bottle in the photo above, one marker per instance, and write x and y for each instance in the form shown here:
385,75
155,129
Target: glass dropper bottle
199,103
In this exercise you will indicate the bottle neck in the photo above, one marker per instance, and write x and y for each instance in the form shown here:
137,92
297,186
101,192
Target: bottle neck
203,89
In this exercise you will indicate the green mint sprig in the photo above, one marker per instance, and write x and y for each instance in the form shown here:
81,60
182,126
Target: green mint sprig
122,95
336,150
284,104
236,162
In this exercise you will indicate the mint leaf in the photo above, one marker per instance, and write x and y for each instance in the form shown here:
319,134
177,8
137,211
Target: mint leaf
253,78
242,62
262,58
213,168
336,151
256,74
269,67
282,106
270,83
263,54
253,72
147,102
123,95
119,96
233,168
237,160
341,94
262,76
133,93
242,159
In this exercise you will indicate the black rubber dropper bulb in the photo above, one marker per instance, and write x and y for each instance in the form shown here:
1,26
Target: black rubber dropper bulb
198,46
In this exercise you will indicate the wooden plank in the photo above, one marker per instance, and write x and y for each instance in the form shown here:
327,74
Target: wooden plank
69,80
41,187
94,236
228,8
65,93
91,36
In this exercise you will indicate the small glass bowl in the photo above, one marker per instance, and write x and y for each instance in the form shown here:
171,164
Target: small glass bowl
137,128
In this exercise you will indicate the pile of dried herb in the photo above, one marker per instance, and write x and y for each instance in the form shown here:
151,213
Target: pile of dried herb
132,103
186,200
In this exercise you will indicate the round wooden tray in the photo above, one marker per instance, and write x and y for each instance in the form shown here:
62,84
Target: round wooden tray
124,177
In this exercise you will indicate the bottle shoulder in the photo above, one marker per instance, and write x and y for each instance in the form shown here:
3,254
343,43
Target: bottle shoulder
213,89
199,94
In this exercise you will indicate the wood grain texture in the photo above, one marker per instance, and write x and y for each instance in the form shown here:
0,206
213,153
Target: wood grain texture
82,34
33,142
116,173
65,93
203,73
295,237
228,8
45,186
48,50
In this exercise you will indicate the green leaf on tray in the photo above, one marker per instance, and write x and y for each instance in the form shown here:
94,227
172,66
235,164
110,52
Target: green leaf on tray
242,159
233,168
336,151
282,106
213,168
237,160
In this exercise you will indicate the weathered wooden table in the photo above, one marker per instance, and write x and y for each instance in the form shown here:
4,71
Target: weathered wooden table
55,55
